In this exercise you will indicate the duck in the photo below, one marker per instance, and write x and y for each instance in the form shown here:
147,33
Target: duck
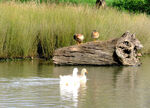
95,35
82,77
70,80
79,38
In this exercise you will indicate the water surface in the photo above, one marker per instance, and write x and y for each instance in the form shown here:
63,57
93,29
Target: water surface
36,84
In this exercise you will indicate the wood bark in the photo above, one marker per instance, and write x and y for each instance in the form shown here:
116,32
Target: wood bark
118,51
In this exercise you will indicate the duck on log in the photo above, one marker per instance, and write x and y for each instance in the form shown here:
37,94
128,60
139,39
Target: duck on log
118,51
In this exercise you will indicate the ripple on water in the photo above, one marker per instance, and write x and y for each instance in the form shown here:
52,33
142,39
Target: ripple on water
29,92
22,82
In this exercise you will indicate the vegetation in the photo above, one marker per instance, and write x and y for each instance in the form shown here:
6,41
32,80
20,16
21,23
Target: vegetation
89,2
130,5
29,29
133,5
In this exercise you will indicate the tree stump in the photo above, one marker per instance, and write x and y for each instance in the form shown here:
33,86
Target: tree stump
118,51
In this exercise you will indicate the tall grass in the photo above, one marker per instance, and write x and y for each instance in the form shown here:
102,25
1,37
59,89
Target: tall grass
30,30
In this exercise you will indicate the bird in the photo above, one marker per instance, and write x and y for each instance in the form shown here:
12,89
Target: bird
79,38
82,76
70,80
95,35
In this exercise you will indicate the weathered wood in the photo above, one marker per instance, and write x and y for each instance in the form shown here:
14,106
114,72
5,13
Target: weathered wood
127,49
119,51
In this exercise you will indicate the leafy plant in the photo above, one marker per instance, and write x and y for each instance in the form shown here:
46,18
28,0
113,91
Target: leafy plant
133,5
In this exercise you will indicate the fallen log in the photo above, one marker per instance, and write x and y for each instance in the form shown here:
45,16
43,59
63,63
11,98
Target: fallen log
118,51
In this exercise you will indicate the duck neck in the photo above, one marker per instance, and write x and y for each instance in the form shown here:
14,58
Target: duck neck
83,74
74,74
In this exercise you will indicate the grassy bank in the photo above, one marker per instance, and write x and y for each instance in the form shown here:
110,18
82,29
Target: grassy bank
29,29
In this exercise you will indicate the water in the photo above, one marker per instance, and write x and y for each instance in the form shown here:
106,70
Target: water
35,84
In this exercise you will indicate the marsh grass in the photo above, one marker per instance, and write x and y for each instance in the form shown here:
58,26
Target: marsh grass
30,29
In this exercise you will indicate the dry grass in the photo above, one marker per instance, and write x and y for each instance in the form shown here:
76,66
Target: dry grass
23,26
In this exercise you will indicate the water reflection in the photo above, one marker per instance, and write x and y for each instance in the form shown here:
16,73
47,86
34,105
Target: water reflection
125,76
35,84
126,91
69,93
128,76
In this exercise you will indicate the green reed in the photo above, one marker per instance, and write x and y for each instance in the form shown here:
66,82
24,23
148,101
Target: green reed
31,29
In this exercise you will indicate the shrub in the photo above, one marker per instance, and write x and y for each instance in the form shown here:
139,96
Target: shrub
133,5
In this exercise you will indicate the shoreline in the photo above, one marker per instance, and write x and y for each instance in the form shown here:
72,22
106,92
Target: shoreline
41,58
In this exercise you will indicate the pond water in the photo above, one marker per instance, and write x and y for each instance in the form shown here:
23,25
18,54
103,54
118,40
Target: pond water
35,84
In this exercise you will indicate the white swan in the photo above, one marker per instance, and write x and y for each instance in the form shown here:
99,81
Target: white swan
82,77
70,80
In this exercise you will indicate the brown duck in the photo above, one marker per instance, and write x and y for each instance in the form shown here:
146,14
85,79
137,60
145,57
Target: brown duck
95,35
79,38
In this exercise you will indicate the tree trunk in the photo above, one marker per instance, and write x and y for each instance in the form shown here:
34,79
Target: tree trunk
100,3
119,51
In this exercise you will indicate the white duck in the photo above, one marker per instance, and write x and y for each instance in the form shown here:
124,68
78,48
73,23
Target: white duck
82,77
70,80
